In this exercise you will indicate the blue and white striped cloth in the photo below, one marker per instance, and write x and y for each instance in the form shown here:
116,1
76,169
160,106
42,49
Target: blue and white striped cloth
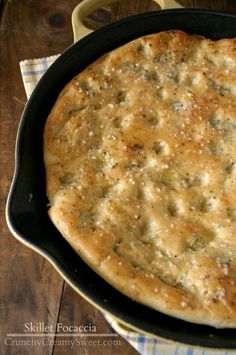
31,71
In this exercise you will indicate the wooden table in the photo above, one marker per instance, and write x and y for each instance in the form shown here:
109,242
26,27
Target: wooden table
30,289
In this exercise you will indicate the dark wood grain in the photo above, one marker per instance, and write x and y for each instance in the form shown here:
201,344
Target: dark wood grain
219,5
30,289
74,310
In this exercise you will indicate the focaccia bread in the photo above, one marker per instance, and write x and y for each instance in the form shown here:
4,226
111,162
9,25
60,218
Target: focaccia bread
140,160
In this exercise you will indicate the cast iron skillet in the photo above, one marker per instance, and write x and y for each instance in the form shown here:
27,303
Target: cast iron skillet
26,208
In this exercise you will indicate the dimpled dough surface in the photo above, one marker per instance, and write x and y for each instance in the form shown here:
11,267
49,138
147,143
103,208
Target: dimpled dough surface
140,156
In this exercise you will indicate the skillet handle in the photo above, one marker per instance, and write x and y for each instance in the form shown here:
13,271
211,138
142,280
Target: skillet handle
82,10
85,7
168,4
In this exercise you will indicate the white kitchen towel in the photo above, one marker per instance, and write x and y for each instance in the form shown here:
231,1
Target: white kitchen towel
32,70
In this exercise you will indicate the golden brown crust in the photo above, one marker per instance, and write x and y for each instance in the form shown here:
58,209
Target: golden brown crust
140,162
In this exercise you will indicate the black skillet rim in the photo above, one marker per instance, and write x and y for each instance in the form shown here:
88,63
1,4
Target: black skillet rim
20,208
